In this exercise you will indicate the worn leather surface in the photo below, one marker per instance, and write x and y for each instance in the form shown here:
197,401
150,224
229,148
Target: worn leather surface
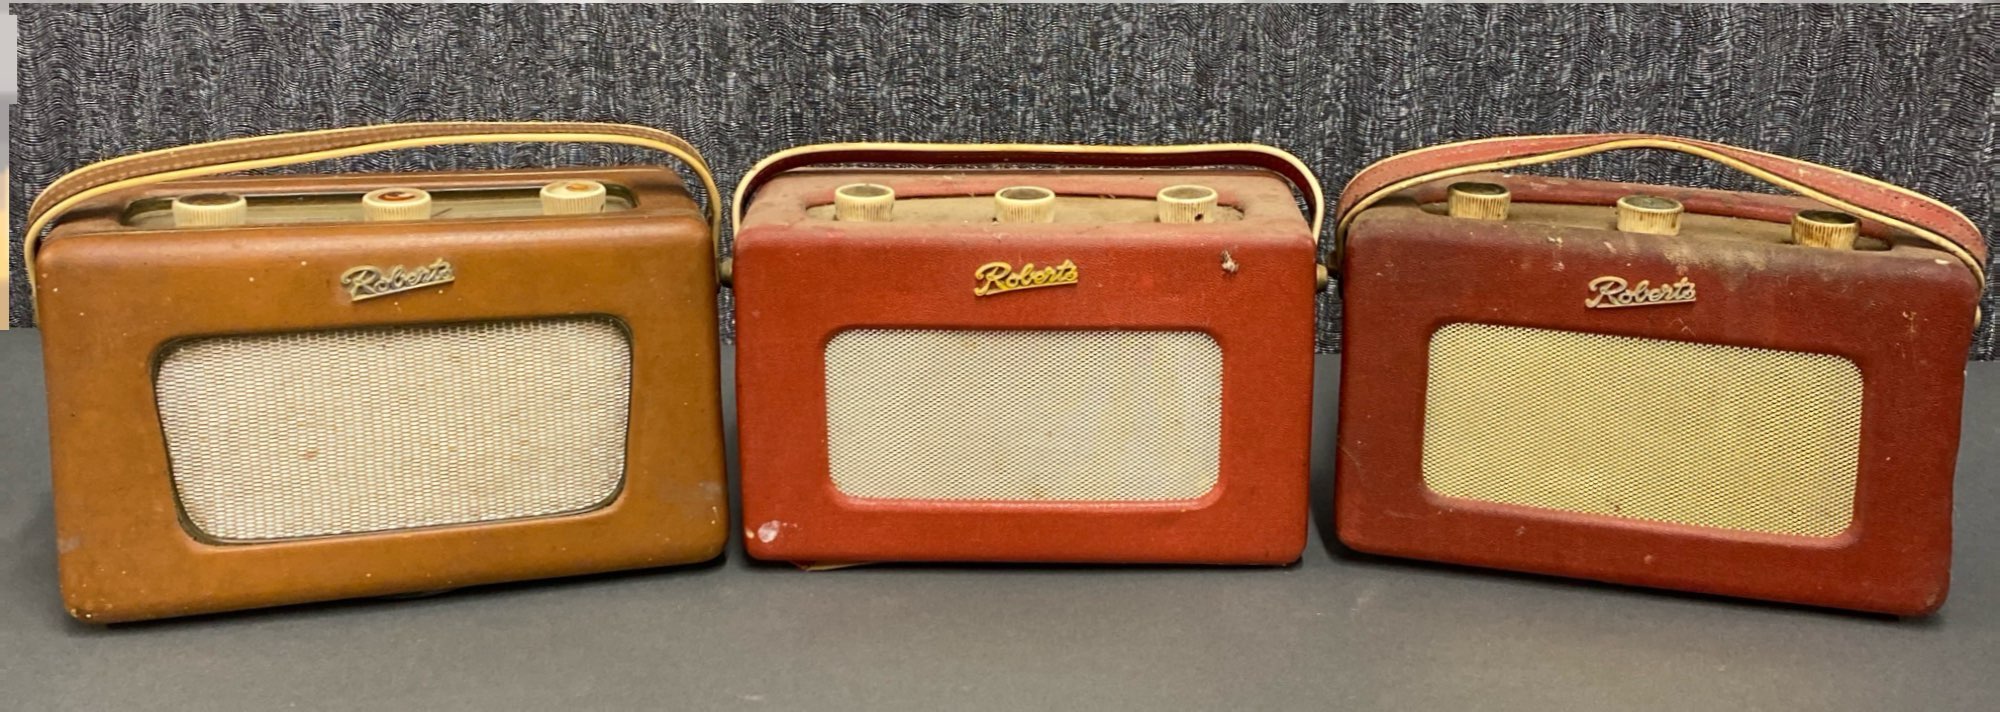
287,149
972,154
1902,316
1920,211
800,281
112,297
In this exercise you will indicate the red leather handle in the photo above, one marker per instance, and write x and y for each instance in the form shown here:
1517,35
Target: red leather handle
1921,215
969,154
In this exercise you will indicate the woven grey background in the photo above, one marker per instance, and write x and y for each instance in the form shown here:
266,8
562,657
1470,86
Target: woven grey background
1906,94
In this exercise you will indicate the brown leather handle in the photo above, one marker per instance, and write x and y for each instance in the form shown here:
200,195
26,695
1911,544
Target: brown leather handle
967,154
1900,208
232,155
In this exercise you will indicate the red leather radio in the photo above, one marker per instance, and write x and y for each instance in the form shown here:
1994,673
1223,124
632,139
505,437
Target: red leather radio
959,359
1724,392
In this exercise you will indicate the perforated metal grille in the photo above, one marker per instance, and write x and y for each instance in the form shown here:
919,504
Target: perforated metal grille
361,430
1024,415
1669,431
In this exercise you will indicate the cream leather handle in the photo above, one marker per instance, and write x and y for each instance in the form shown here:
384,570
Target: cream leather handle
243,154
968,154
1919,215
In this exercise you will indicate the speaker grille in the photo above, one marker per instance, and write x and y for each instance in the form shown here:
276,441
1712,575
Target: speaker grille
1024,415
362,430
1668,431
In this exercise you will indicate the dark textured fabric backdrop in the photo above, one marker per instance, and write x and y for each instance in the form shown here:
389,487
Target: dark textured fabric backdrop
1906,94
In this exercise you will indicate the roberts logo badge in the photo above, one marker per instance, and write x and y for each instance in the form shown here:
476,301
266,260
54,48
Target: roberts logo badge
1612,292
996,277
369,281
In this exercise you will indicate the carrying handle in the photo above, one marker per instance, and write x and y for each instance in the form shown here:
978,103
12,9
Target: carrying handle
966,154
243,154
1900,208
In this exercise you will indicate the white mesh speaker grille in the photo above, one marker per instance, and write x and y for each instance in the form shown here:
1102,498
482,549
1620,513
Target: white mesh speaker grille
1024,415
1669,431
361,430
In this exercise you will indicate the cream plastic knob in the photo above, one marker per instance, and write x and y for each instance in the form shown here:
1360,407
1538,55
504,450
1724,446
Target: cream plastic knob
1185,203
1649,214
1025,204
1478,201
863,202
210,210
1825,228
575,196
387,204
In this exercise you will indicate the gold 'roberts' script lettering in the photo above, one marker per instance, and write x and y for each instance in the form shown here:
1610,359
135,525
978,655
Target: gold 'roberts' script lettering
996,277
369,281
1613,292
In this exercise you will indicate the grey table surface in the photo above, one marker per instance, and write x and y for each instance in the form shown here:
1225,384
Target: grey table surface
1336,630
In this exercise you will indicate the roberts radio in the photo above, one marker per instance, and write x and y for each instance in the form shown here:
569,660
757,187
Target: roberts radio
1722,392
992,353
286,388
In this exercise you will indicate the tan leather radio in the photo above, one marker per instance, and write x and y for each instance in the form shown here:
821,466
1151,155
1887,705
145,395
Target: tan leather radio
287,388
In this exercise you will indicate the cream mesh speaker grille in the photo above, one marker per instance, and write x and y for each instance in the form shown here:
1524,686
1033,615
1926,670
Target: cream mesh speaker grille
361,430
1024,415
1668,431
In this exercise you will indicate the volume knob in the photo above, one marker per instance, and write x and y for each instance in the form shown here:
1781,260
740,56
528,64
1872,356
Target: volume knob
210,210
1649,214
863,202
1185,203
1478,201
575,196
1025,204
389,204
1825,228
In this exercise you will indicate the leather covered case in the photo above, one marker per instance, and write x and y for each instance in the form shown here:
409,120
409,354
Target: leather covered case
942,386
1723,410
117,294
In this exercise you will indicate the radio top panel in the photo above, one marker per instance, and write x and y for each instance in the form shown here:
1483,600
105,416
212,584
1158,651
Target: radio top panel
1682,213
393,203
878,202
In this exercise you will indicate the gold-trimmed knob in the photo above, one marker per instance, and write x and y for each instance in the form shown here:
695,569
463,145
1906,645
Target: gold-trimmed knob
575,196
1025,204
863,202
1185,204
1825,228
1649,214
389,204
210,210
1474,200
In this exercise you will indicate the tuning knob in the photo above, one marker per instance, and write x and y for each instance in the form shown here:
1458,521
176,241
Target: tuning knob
1649,214
388,204
1478,201
210,210
575,196
1825,228
1025,204
1185,203
863,202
